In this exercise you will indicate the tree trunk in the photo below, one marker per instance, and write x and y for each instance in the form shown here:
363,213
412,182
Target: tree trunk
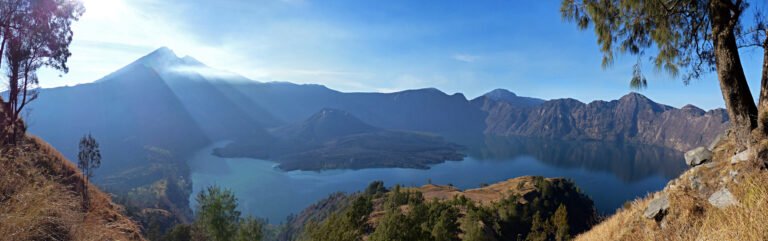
762,108
738,99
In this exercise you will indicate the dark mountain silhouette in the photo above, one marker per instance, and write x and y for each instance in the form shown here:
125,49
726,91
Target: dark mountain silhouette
324,125
633,118
125,111
332,139
427,110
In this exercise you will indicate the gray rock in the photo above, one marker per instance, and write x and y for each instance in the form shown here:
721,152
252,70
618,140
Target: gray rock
657,208
695,182
697,156
740,157
716,141
722,198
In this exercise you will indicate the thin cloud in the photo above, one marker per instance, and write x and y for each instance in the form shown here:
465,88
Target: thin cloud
466,58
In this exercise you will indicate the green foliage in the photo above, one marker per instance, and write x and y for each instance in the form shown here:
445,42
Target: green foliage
376,188
446,227
635,26
359,210
217,220
473,227
543,216
181,232
395,226
335,227
347,224
560,221
217,213
679,32
250,229
34,34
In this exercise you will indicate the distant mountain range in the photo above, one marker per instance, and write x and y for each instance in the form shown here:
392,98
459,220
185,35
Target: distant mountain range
182,105
633,118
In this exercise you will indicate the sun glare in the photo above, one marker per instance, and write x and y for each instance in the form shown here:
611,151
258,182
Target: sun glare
102,8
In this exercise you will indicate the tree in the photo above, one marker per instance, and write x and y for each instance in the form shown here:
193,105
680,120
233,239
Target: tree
446,228
217,213
394,226
251,229
89,158
33,34
689,37
336,227
560,222
181,232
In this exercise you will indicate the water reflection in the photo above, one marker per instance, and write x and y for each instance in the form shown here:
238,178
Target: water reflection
611,173
629,162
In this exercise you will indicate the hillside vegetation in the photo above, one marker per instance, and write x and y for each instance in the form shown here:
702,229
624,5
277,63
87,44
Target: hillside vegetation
529,208
41,198
723,199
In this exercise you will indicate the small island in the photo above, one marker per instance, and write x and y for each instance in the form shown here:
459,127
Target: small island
334,139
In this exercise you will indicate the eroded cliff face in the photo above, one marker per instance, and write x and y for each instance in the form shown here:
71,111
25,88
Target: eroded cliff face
633,118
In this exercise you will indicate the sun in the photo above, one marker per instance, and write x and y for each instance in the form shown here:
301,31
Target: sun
102,8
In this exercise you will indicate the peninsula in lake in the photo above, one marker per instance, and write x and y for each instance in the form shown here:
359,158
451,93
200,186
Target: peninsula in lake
334,139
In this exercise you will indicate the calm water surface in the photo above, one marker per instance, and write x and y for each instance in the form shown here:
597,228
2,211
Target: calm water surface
611,173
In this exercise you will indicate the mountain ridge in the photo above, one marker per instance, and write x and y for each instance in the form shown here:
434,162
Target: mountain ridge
631,118
241,109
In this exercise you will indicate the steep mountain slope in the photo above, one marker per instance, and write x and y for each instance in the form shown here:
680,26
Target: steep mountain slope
125,111
723,198
334,139
41,198
633,118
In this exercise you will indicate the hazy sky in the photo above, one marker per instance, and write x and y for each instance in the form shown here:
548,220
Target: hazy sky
456,46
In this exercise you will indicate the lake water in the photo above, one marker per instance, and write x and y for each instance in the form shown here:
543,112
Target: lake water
611,173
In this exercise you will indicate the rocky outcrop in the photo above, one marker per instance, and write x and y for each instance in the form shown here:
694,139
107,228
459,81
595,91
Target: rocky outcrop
633,118
697,156
722,198
657,208
740,157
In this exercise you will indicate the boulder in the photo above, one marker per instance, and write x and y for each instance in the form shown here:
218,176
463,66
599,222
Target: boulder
695,182
657,208
716,141
697,156
741,157
722,198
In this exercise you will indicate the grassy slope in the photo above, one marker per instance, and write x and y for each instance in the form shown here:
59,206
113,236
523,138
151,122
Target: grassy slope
41,199
691,216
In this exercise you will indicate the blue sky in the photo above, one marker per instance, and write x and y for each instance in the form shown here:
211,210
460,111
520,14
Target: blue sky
456,46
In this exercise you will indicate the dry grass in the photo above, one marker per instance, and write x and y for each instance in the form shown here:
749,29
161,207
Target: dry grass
690,216
41,199
484,195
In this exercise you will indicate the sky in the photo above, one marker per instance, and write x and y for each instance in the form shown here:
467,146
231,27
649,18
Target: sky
469,47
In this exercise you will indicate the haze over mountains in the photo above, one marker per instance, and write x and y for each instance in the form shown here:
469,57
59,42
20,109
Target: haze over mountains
334,139
179,104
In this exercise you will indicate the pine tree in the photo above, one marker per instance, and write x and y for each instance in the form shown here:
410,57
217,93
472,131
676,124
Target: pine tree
217,213
88,159
688,38
446,228
560,222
